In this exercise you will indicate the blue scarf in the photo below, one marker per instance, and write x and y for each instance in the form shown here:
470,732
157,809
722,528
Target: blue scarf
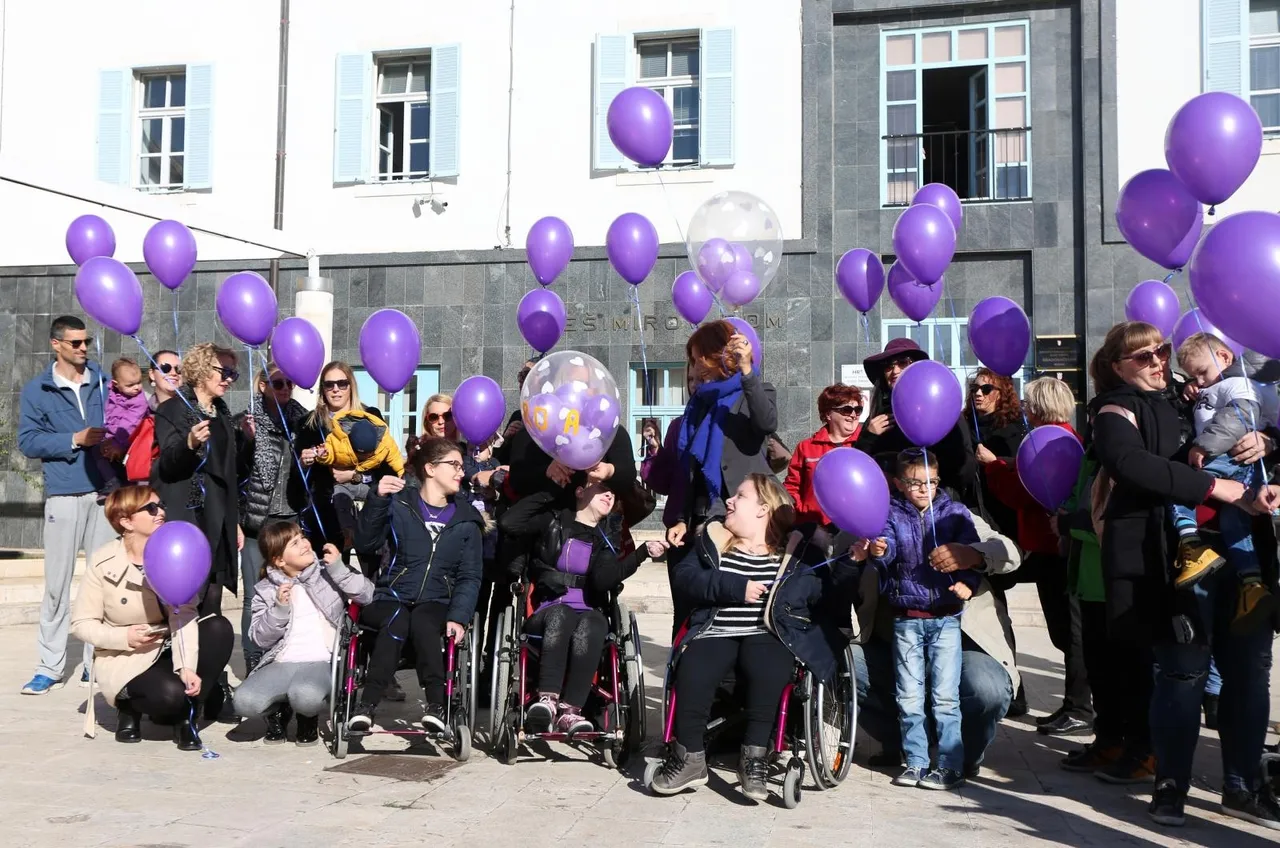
702,430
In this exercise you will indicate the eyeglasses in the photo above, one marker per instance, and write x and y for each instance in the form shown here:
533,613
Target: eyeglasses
433,417
911,484
984,389
281,385
152,509
332,385
847,409
1147,358
456,464
170,368
76,344
229,375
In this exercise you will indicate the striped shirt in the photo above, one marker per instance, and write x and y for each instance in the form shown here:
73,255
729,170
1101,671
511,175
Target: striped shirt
744,619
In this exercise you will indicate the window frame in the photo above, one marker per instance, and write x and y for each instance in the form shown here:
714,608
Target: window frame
401,409
964,364
667,85
638,410
406,101
166,114
1267,40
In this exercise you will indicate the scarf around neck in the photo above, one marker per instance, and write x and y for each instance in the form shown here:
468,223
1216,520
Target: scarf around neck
702,430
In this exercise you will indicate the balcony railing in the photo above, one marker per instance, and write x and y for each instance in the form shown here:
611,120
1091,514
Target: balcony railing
981,165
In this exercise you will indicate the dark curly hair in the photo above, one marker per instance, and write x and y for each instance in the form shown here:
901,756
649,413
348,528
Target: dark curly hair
430,450
1009,409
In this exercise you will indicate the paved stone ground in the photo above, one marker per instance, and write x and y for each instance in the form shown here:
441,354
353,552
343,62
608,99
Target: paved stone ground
60,789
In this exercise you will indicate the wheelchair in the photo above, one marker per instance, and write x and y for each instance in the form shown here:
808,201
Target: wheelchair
616,703
816,723
347,670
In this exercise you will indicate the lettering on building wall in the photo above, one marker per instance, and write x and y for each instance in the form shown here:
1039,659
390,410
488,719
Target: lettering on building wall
599,322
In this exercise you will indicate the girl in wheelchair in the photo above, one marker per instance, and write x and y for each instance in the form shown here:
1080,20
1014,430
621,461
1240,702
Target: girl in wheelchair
764,598
431,580
298,602
574,569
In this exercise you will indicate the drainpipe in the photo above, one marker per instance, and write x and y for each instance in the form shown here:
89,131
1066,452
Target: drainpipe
282,99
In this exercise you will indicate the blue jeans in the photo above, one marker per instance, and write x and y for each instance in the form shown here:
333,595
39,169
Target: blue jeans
927,661
1244,662
1235,525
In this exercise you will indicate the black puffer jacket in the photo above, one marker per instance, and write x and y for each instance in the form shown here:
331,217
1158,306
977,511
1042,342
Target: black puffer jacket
274,486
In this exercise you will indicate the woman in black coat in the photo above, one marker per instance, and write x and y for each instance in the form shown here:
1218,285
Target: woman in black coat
998,429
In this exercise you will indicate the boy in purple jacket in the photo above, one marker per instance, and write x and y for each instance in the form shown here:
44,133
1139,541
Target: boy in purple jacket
927,605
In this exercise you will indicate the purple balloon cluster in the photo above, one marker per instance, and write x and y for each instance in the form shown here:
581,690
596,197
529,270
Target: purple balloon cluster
728,269
571,408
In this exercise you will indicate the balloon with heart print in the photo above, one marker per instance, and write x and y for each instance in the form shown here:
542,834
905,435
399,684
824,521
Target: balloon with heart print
566,403
734,231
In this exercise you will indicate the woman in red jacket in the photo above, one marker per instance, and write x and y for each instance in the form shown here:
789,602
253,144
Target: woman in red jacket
840,410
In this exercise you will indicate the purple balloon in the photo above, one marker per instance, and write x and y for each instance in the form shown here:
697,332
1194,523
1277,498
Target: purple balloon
860,278
170,251
247,306
478,408
1000,334
389,347
690,297
543,419
1212,145
601,412
915,299
757,349
852,492
925,241
580,449
90,236
945,198
176,561
1192,322
641,126
1154,302
741,288
550,247
111,294
1235,279
632,245
298,351
574,395
716,261
541,318
927,402
742,260
1157,216
1048,464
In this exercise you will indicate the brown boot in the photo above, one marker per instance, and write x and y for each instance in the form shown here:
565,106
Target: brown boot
1195,561
1255,607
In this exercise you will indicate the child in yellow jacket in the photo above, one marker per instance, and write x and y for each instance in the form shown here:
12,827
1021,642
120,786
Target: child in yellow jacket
362,443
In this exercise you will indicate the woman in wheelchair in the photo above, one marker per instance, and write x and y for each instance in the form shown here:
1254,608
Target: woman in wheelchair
574,570
763,597
431,580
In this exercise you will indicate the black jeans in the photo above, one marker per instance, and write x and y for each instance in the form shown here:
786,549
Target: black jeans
159,693
396,622
1120,672
571,644
764,667
1062,619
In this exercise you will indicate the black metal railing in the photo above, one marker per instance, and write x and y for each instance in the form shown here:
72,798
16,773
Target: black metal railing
981,165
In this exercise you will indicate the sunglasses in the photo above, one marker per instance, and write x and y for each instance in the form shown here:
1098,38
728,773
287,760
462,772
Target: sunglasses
170,368
281,385
1147,358
984,389
433,417
76,344
336,385
849,410
229,375
152,509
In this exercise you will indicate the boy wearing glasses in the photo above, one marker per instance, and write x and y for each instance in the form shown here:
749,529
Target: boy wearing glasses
927,604
1228,406
61,422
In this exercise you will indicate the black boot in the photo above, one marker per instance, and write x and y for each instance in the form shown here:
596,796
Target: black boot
308,730
217,703
1018,707
185,736
128,722
278,725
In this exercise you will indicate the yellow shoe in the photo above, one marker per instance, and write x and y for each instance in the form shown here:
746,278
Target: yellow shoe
1254,608
1196,560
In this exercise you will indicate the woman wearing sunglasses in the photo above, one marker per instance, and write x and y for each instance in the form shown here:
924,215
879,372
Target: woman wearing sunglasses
274,490
149,660
840,411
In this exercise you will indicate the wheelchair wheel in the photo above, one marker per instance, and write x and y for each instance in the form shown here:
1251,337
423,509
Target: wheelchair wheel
636,727
791,783
650,772
500,675
507,746
830,725
474,642
461,743
339,699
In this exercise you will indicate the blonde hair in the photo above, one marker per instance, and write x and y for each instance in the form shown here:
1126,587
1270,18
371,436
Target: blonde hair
782,513
1049,400
202,360
438,397
321,417
1207,342
122,364
1122,339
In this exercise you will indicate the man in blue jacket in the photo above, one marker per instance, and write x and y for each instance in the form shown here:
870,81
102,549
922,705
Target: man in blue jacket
61,421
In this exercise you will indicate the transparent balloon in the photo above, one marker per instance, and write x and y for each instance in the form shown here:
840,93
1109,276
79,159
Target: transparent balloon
571,408
735,233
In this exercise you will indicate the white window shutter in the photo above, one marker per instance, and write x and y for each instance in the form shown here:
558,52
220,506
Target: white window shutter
353,99
715,97
446,110
197,164
111,159
612,55
1226,46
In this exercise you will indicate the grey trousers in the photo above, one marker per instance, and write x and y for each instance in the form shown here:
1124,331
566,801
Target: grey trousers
304,685
250,566
72,523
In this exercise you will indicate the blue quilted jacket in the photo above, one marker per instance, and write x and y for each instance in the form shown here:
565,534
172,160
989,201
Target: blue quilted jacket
908,582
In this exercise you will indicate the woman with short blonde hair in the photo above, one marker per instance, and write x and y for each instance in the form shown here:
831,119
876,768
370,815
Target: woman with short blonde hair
1048,400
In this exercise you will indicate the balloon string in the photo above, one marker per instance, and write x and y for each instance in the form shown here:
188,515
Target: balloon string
646,386
306,477
670,208
206,753
973,410
173,299
97,343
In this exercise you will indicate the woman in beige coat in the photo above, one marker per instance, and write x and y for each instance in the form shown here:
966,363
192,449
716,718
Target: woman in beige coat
146,660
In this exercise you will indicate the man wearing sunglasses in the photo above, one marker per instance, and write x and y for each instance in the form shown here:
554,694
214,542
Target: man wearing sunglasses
61,421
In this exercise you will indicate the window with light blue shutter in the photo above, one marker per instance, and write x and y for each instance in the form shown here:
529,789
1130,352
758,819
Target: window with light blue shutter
111,159
613,53
198,164
446,110
717,115
353,96
1226,46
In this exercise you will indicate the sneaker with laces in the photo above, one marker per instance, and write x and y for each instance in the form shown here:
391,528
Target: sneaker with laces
1167,803
1093,757
680,770
42,684
1129,769
433,718
361,721
570,721
541,714
1255,607
911,776
1195,561
753,772
1256,807
944,779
